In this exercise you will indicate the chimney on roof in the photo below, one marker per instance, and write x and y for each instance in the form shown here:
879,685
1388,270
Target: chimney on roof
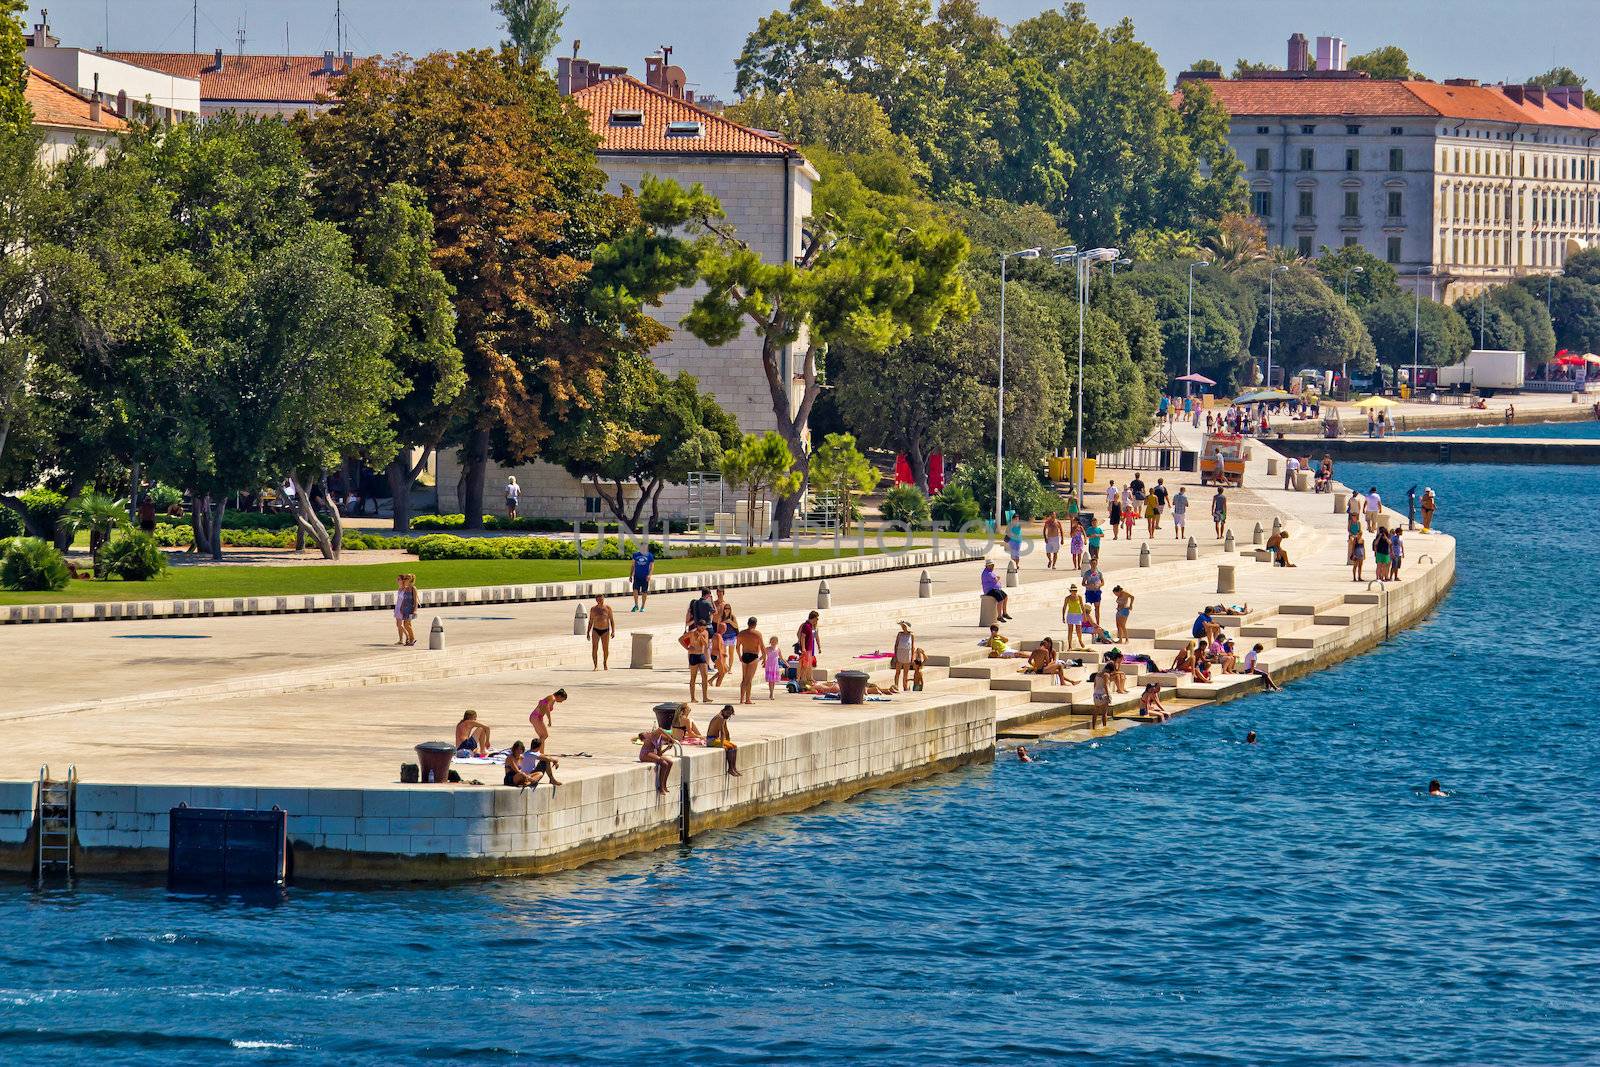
40,37
1534,94
94,101
660,74
1466,83
1513,92
327,61
216,60
1331,54
349,61
1299,52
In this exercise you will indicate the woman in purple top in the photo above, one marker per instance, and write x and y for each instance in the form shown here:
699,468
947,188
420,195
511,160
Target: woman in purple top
991,589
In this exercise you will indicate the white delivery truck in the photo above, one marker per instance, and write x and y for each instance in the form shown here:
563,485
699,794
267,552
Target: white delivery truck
1486,370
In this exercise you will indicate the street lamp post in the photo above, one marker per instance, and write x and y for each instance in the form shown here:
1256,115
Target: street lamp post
1548,278
1085,260
1188,344
1115,263
1000,419
1271,277
1344,364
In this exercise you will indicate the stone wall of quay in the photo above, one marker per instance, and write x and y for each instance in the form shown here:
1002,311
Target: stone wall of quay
453,832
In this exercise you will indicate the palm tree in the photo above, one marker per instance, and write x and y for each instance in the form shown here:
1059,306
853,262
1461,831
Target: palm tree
101,515
1239,240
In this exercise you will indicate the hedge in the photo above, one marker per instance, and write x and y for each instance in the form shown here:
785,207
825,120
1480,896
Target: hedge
525,524
169,536
448,546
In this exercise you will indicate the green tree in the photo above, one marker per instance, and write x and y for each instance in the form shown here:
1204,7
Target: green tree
1241,67
15,114
1574,309
1583,266
1390,61
1313,327
1116,411
1527,311
652,431
756,464
508,171
839,468
534,27
1490,325
1442,337
831,118
99,515
1206,66
1376,280
1214,347
873,271
394,241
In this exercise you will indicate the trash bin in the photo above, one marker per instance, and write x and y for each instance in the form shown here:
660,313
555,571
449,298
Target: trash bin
665,714
852,687
433,759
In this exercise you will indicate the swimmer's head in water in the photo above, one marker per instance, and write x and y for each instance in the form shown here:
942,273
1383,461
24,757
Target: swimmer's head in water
1250,738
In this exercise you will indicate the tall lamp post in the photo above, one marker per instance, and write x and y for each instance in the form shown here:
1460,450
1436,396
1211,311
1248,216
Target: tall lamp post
1188,343
1271,278
1000,420
1085,261
1344,364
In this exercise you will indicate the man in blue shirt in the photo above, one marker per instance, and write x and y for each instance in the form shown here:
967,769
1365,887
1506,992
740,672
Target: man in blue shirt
644,564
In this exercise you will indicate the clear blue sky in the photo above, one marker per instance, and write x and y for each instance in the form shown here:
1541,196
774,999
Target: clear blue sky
1488,39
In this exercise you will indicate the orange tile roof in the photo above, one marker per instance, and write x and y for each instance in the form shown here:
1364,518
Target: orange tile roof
242,79
1370,96
57,106
719,136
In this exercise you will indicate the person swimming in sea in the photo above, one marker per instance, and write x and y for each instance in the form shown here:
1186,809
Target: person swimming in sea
1436,790
1250,738
1023,757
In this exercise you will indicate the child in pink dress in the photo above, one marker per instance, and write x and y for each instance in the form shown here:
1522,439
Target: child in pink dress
774,668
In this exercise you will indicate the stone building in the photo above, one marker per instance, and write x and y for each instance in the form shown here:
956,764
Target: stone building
1457,183
122,87
764,185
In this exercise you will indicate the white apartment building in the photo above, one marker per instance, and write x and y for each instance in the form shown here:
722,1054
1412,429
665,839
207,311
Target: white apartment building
1456,183
123,88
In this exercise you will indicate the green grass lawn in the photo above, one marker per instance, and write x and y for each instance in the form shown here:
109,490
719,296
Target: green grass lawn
219,582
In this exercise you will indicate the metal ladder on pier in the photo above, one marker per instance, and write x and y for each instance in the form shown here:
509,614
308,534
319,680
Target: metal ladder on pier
56,821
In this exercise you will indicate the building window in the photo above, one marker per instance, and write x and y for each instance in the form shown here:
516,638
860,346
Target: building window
1263,129
1397,159
1261,202
1308,128
1352,203
1350,240
1352,129
1304,245
1397,131
591,505
1392,254
1394,204
1305,202
1263,159
1352,159
1308,159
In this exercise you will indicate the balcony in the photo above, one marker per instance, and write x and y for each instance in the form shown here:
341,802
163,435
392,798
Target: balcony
1350,222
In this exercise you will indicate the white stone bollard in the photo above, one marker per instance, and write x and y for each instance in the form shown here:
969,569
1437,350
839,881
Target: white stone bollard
1012,581
436,635
1277,525
824,594
1339,502
1258,536
1228,544
924,586
1225,578
644,655
1192,551
1272,466
1144,555
988,611
580,621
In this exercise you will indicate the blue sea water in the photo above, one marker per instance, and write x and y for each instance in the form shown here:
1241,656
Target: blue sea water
1553,431
1166,896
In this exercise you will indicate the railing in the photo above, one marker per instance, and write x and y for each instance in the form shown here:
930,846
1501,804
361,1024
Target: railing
1144,457
1535,385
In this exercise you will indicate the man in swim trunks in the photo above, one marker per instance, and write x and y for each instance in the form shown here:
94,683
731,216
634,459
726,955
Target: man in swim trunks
472,736
697,642
601,624
748,644
1219,511
1051,532
717,736
1180,513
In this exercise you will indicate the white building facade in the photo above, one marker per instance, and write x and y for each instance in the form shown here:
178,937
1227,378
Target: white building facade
1459,184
